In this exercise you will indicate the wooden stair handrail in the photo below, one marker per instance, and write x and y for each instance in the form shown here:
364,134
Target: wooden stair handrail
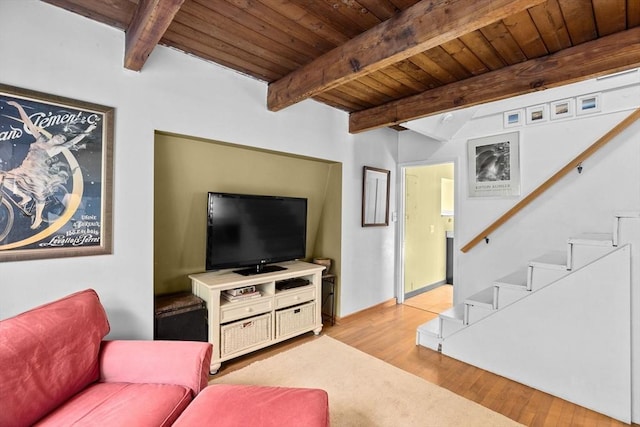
573,164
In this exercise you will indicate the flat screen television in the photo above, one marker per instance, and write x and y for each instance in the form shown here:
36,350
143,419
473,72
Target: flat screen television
254,231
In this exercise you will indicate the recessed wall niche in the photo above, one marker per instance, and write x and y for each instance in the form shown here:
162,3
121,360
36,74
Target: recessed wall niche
186,168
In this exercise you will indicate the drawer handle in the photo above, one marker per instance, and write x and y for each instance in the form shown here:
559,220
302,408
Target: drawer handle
249,309
296,298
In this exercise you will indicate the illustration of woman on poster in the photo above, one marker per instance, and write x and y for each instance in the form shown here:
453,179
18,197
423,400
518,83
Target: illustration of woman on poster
48,196
40,175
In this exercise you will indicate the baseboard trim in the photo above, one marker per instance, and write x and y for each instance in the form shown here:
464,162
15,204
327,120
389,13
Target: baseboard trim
424,289
367,311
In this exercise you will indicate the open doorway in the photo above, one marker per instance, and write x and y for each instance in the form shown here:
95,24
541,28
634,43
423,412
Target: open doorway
426,239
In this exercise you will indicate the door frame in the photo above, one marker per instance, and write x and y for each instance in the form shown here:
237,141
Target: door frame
400,203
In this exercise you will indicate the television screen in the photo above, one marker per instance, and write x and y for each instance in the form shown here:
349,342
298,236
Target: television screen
253,231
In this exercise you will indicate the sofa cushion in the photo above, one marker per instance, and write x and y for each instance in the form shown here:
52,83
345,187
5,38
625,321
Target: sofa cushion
232,405
49,354
121,404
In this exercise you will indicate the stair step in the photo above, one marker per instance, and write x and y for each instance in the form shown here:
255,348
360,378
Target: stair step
593,239
452,320
586,248
432,327
480,305
547,268
516,280
618,216
454,314
428,335
484,299
627,214
512,287
555,260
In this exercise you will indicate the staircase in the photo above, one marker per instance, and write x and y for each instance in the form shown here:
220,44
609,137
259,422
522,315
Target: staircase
563,324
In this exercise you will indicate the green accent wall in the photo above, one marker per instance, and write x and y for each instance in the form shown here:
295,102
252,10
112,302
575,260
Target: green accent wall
186,168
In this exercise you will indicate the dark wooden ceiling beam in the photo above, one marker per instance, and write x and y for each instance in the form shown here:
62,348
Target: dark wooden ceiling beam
150,21
617,52
116,13
423,26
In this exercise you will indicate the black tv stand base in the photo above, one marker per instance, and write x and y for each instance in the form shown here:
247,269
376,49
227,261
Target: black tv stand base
259,269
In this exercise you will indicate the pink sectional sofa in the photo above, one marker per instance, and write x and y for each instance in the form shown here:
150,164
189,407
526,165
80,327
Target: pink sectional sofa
56,370
239,405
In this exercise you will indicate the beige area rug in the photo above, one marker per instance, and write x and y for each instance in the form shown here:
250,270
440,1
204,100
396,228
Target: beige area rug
364,390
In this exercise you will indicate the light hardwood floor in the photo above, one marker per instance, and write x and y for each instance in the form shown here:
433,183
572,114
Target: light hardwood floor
436,300
388,332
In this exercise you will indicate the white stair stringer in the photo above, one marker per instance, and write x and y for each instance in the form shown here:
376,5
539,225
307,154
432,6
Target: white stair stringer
572,337
627,231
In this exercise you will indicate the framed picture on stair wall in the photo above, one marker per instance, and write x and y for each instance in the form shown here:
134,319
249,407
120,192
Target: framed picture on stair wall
494,165
55,176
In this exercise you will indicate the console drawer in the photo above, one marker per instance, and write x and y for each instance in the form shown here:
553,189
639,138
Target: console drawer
295,319
240,310
243,334
296,296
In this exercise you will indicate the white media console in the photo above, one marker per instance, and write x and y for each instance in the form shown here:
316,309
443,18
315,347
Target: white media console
240,327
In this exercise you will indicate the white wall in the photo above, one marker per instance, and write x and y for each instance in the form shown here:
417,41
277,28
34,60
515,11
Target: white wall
580,203
47,49
371,249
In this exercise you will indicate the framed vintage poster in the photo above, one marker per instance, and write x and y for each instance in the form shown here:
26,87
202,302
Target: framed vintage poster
494,166
56,171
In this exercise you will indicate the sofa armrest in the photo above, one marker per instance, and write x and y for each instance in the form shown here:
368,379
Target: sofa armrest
163,362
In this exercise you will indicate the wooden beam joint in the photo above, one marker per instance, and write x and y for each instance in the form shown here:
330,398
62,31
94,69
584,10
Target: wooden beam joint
617,52
150,21
425,25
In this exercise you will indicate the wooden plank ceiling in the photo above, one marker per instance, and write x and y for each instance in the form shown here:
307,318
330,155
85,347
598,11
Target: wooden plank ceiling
386,61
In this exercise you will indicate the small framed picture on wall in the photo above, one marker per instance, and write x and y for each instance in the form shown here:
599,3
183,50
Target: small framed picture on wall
588,104
562,109
537,114
514,118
